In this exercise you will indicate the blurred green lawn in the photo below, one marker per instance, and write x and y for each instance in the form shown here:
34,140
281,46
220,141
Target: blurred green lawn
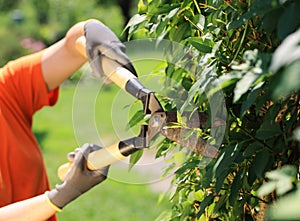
92,112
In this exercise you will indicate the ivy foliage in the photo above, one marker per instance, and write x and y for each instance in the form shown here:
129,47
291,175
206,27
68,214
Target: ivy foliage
248,50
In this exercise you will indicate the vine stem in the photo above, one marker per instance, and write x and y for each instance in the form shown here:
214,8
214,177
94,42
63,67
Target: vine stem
197,6
256,197
251,136
192,23
228,3
242,40
254,138
240,44
208,6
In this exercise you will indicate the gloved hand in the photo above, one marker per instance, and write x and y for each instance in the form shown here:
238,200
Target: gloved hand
101,41
79,179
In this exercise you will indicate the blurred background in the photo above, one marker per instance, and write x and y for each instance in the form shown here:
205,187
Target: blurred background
31,25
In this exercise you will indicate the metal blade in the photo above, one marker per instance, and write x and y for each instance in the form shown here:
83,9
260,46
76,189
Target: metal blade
156,123
153,104
190,119
185,137
191,142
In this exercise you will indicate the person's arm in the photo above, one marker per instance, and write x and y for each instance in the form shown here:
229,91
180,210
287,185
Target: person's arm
33,209
78,180
61,60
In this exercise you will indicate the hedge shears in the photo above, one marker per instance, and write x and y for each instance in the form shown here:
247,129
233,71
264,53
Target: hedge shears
160,121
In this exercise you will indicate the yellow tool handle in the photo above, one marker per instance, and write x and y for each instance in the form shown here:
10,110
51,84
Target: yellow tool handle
96,160
112,70
63,170
120,76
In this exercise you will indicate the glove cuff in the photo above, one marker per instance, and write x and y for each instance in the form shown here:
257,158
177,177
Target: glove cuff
62,195
56,208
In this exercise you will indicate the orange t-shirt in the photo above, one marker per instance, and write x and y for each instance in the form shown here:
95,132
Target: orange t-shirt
22,93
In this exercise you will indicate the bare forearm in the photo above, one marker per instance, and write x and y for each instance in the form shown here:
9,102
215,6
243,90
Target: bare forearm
61,60
33,209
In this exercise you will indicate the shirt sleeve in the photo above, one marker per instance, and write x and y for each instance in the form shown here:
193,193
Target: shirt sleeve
26,84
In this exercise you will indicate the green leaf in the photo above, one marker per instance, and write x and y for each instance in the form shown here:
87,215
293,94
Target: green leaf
268,129
200,44
179,33
296,133
221,202
260,162
287,52
286,208
172,13
134,23
252,149
251,176
206,202
229,79
251,97
201,22
199,195
138,117
267,188
223,164
243,85
135,157
281,181
163,148
284,186
135,20
258,8
225,159
142,7
158,8
236,186
220,179
270,20
283,172
286,81
290,16
178,158
165,215
187,166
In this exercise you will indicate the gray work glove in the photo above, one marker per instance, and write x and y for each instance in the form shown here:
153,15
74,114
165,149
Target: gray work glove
101,41
79,179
